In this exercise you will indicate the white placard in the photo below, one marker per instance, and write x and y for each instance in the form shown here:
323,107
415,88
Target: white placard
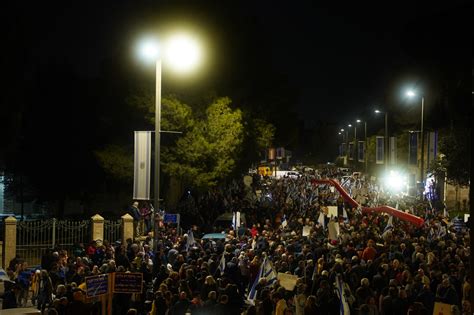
287,281
332,211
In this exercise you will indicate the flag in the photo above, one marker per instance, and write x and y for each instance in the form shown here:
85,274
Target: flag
190,240
221,266
266,272
142,165
344,215
343,303
389,226
322,220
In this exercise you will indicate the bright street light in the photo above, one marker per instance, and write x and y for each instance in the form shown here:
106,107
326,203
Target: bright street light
395,182
349,125
410,93
181,53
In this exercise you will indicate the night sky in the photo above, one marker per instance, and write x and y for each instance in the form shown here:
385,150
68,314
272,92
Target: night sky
314,66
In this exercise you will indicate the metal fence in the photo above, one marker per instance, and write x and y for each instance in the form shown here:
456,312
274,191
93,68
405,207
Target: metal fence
112,230
34,238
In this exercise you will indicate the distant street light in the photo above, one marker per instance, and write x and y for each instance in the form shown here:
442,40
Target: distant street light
182,53
411,94
386,136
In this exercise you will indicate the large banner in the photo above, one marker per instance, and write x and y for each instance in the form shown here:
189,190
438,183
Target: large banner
141,169
379,150
351,150
432,146
393,150
361,151
413,149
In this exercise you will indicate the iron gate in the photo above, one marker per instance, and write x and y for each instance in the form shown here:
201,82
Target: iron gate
34,238
112,230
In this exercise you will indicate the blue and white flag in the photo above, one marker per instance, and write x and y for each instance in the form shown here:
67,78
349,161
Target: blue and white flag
322,220
142,165
284,222
344,215
266,272
343,303
389,226
190,240
221,266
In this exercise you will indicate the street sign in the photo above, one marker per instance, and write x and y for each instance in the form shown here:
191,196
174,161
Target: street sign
171,218
128,282
97,285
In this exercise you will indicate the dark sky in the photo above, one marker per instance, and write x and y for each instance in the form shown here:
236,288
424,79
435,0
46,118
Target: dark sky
336,60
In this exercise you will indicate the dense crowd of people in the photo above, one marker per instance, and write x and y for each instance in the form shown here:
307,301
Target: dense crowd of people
375,265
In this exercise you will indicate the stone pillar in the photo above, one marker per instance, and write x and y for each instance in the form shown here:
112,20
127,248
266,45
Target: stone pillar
97,227
127,227
9,240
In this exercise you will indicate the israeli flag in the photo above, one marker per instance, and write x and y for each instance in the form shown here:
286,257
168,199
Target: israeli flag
266,272
221,266
322,220
344,215
190,240
389,226
343,303
284,223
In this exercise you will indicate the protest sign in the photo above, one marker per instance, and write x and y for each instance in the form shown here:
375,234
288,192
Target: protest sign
333,230
442,309
287,281
171,218
97,285
332,211
128,282
306,230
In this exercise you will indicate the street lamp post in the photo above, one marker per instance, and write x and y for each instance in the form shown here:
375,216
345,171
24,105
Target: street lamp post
411,94
386,137
352,151
157,150
365,142
182,53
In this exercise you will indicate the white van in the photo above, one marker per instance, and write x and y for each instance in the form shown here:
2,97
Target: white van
287,174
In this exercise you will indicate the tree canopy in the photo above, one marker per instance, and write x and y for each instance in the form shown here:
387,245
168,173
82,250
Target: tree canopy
202,156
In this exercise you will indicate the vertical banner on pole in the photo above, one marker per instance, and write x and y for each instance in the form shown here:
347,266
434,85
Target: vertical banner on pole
351,150
142,165
432,146
393,150
413,149
361,151
379,151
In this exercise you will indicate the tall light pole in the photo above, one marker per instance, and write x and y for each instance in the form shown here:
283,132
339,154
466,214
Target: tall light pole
386,137
344,144
412,94
181,53
365,142
352,151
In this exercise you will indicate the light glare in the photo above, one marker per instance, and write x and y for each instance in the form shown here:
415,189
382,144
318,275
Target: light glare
410,93
395,182
148,49
182,53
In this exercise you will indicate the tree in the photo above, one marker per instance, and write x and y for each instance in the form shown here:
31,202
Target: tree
207,154
204,155
454,161
264,133
117,161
